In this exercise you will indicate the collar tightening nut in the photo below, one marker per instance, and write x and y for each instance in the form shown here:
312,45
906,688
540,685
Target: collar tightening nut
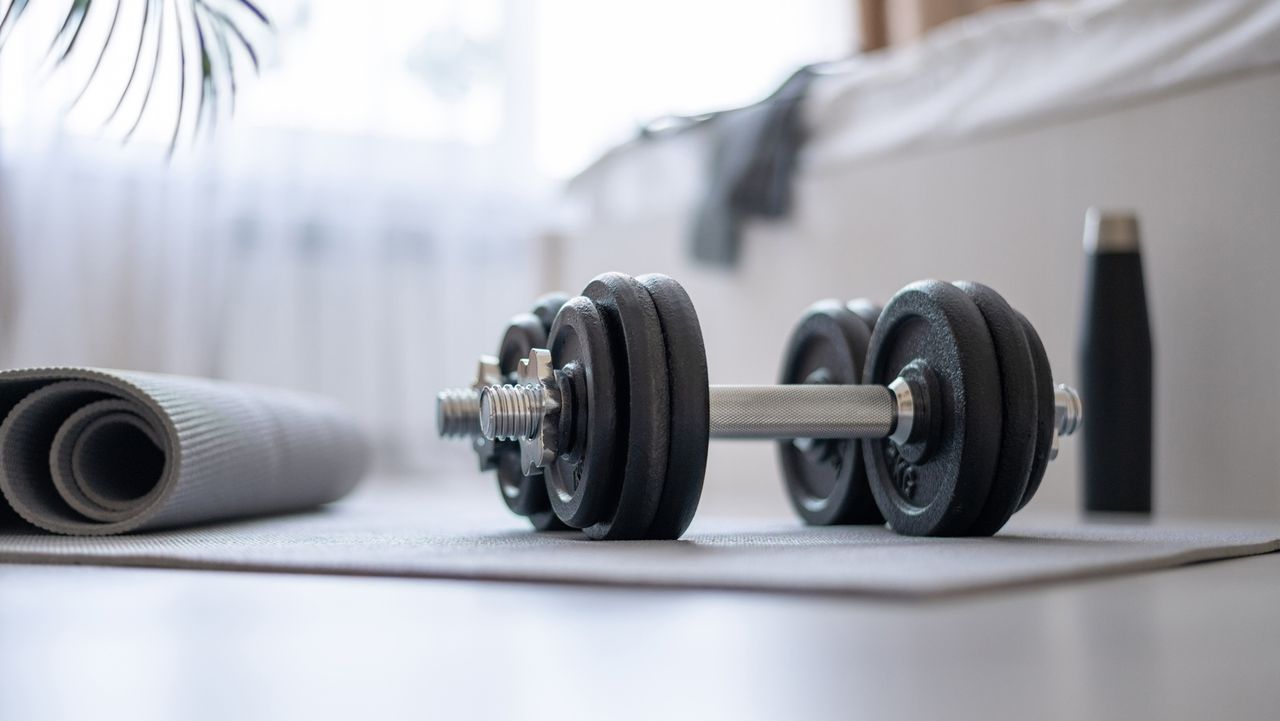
527,412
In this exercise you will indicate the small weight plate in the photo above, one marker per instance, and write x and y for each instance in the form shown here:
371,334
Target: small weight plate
524,495
1018,396
524,332
866,309
579,481
1044,410
546,307
643,408
689,423
936,485
825,478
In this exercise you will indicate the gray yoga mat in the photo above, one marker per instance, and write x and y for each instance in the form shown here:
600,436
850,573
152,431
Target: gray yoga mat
87,451
427,533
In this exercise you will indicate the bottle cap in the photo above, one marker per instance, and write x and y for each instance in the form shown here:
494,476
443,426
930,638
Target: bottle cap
1110,231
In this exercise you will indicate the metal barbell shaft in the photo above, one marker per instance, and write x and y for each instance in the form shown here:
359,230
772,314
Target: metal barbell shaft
814,411
746,412
802,411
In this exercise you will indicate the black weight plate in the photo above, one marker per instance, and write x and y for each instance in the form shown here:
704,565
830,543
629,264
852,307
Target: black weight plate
643,407
524,495
936,489
866,309
1044,410
1018,396
524,332
578,483
826,479
690,414
546,307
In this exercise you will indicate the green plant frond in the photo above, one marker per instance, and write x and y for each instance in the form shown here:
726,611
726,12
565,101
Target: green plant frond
71,26
137,57
208,98
205,31
115,19
254,9
182,75
226,64
155,67
11,15
229,26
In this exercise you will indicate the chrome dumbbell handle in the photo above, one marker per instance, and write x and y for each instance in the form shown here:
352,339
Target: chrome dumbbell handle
515,411
737,411
839,411
802,411
520,411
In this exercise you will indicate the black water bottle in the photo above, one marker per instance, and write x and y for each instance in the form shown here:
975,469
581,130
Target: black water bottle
1116,366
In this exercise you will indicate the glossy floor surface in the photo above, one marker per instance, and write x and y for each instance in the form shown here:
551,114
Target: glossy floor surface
77,642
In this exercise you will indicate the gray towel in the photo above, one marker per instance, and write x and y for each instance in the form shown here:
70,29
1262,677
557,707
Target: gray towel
752,165
86,451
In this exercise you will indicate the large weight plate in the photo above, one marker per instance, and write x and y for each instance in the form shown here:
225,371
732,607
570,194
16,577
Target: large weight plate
825,478
546,307
1044,410
866,309
643,407
579,482
936,486
1018,397
689,418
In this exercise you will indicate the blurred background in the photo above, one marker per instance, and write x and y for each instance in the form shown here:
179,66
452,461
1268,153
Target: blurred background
353,198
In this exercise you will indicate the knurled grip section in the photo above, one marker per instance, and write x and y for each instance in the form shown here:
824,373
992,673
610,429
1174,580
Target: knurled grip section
802,411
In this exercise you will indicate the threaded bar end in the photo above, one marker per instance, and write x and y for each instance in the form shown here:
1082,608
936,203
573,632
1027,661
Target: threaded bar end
511,412
458,413
1068,409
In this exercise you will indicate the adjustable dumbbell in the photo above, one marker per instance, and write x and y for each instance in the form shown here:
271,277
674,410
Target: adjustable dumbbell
458,409
956,415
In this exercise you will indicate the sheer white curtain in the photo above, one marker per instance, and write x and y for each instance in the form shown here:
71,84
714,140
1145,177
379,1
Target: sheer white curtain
370,270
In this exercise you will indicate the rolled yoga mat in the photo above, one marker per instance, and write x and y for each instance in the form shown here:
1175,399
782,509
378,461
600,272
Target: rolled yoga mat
85,451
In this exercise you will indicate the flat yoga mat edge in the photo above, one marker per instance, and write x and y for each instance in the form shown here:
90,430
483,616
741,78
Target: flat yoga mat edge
420,535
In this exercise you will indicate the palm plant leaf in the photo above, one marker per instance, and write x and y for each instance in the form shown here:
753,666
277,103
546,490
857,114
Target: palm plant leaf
115,20
225,62
182,73
70,31
10,18
209,33
137,57
208,89
155,67
228,25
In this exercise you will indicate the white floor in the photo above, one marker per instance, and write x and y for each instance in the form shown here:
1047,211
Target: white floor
79,642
